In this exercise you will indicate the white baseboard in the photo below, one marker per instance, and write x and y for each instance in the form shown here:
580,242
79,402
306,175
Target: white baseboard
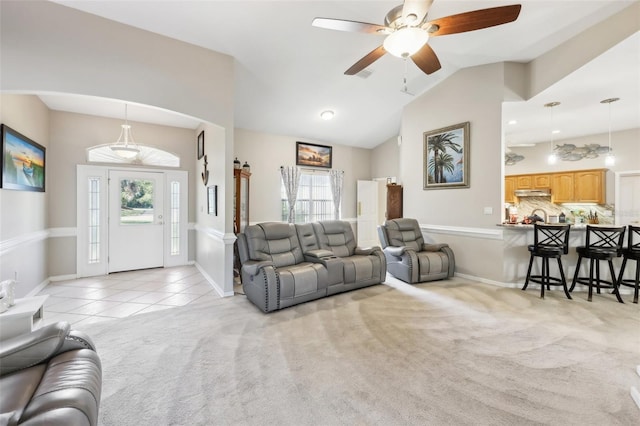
211,281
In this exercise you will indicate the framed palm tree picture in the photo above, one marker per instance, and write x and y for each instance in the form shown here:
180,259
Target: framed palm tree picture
446,157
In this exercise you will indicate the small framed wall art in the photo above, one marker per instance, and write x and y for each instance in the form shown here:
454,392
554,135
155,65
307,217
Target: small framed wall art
201,145
212,200
309,154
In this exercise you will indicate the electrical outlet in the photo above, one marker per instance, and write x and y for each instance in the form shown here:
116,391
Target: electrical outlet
488,210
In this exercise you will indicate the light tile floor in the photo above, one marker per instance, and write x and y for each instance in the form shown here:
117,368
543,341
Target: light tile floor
123,294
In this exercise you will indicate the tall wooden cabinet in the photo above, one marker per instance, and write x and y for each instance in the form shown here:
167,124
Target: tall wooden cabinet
240,200
394,201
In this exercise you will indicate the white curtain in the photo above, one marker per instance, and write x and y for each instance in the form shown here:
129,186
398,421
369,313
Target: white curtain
291,181
337,179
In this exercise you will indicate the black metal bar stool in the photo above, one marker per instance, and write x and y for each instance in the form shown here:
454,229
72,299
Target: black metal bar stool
549,242
631,252
602,243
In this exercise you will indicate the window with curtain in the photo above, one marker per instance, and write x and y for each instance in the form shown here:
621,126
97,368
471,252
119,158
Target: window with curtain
315,201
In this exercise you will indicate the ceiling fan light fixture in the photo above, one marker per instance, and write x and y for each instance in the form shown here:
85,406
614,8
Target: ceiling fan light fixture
405,41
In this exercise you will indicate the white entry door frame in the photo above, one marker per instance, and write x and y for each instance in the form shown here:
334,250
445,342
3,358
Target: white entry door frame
95,240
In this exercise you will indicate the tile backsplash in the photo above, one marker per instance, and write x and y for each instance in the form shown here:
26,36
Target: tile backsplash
573,212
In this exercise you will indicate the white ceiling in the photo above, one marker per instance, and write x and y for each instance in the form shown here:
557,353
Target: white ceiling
287,71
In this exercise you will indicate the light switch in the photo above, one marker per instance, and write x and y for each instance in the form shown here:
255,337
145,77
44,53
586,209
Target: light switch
488,210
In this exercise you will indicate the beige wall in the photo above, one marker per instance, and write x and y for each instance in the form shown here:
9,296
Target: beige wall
474,95
47,47
23,214
266,153
385,159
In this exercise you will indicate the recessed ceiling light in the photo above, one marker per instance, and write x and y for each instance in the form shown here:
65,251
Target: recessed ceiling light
555,132
512,122
327,115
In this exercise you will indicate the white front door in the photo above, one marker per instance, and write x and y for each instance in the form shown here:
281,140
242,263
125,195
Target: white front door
136,210
367,214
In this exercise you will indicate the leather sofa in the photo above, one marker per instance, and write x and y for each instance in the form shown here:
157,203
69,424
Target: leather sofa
284,264
51,376
409,258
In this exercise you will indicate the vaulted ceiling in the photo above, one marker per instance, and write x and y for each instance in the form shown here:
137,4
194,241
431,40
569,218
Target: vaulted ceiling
287,71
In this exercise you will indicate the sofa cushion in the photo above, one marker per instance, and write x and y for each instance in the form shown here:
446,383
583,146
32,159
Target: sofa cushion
432,263
404,232
274,241
302,279
361,268
337,236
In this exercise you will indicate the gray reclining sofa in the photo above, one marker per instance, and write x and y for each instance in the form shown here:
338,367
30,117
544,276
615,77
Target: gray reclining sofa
51,376
409,258
285,264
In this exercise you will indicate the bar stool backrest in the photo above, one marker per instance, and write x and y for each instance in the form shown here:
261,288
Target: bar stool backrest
605,238
552,236
634,235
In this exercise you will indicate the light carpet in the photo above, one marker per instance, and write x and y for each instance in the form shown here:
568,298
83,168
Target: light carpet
453,352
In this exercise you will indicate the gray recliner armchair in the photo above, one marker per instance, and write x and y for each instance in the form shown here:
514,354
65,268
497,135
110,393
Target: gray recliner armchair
409,258
51,376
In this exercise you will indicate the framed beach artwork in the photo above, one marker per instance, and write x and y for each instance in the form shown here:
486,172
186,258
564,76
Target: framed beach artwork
309,154
23,162
446,157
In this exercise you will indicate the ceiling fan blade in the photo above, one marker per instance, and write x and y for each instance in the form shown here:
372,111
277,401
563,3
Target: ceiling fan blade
426,60
368,59
471,21
419,8
352,26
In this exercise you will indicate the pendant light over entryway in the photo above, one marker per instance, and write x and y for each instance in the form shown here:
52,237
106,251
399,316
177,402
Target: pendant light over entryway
126,147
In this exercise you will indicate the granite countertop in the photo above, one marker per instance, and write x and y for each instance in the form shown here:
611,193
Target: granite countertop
521,226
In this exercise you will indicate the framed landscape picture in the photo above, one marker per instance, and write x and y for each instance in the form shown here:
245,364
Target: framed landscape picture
446,157
309,154
23,162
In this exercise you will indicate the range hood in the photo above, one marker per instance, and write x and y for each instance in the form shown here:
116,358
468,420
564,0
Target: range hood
533,192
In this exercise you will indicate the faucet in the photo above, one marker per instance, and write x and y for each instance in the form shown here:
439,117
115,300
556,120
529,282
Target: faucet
544,214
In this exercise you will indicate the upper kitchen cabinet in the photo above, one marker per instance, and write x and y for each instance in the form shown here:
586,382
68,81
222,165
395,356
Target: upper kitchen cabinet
541,181
589,186
562,187
581,186
510,189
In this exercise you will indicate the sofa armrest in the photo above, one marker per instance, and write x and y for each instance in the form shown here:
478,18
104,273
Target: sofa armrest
433,247
33,348
317,254
366,251
252,267
396,251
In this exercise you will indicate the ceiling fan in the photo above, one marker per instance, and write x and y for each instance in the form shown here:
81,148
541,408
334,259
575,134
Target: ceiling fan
407,31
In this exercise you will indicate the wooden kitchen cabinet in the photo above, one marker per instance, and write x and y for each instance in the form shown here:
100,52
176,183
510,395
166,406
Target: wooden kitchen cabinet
541,181
509,189
580,186
524,182
394,201
589,186
562,187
